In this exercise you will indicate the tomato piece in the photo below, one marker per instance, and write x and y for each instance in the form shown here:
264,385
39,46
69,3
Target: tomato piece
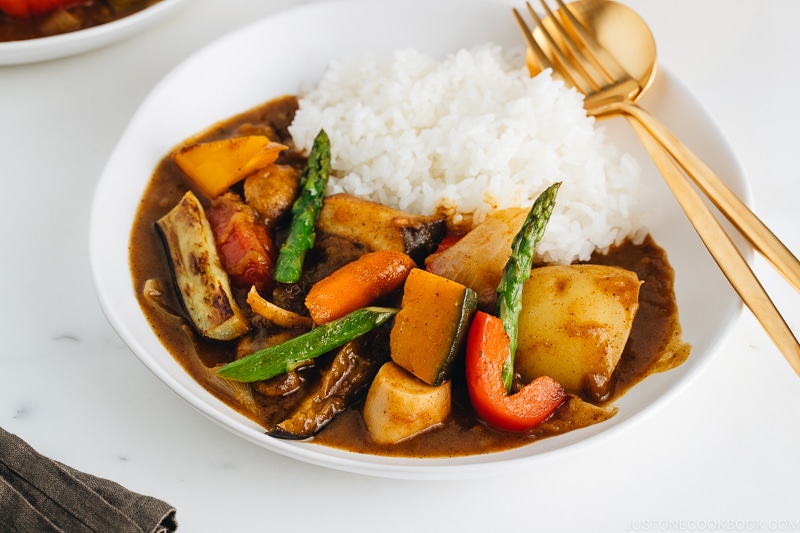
245,248
487,349
32,8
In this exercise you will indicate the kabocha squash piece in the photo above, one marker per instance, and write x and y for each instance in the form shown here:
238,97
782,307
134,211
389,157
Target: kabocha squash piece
201,282
358,284
214,166
574,325
380,227
400,406
431,327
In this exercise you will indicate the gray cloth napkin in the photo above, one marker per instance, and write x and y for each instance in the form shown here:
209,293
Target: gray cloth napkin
40,495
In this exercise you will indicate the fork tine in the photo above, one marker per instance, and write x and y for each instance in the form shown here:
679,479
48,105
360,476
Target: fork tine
571,75
596,51
575,50
541,57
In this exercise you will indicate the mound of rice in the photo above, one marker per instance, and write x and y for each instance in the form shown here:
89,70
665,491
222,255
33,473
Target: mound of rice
470,134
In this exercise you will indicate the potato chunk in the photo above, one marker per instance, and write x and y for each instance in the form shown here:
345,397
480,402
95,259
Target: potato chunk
399,406
271,191
574,324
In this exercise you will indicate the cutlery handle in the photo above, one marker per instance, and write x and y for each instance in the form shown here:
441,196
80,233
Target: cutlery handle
743,219
722,248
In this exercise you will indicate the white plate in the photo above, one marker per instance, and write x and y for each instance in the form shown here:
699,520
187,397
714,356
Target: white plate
67,44
244,69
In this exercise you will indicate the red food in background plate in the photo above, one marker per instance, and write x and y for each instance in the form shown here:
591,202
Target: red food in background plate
32,8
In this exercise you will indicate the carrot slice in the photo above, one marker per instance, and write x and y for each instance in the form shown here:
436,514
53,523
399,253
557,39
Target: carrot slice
358,284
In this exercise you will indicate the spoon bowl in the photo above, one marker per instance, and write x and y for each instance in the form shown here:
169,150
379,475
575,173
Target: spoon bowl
619,29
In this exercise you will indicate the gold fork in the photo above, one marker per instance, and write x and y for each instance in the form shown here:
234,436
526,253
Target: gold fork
609,90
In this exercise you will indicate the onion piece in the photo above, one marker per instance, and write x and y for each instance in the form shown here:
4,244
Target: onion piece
477,260
277,315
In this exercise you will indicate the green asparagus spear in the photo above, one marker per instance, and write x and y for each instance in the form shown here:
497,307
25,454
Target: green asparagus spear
518,270
287,356
305,210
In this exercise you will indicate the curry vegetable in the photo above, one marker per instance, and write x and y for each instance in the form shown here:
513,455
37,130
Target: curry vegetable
429,332
518,270
305,210
358,284
200,279
216,165
399,406
287,356
492,340
487,349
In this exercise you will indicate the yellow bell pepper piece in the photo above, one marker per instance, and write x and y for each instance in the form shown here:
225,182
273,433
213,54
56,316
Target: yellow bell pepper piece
214,166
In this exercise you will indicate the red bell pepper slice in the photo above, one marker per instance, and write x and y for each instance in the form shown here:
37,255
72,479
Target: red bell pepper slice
449,240
487,349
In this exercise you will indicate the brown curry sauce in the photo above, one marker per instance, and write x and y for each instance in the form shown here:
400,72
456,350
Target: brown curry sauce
654,344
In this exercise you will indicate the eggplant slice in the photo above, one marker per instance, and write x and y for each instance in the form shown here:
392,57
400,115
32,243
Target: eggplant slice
343,383
200,280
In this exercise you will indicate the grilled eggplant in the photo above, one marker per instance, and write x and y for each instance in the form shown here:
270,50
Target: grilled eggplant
380,227
199,278
342,383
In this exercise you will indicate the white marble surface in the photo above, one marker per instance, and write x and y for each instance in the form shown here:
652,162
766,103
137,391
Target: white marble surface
722,455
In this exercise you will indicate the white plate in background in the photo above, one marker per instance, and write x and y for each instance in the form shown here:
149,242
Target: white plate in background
76,42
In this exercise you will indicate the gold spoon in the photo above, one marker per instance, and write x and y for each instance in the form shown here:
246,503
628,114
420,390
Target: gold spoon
619,39
619,30
612,31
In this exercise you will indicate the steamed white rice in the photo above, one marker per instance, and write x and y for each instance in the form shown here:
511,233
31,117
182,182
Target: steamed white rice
473,133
